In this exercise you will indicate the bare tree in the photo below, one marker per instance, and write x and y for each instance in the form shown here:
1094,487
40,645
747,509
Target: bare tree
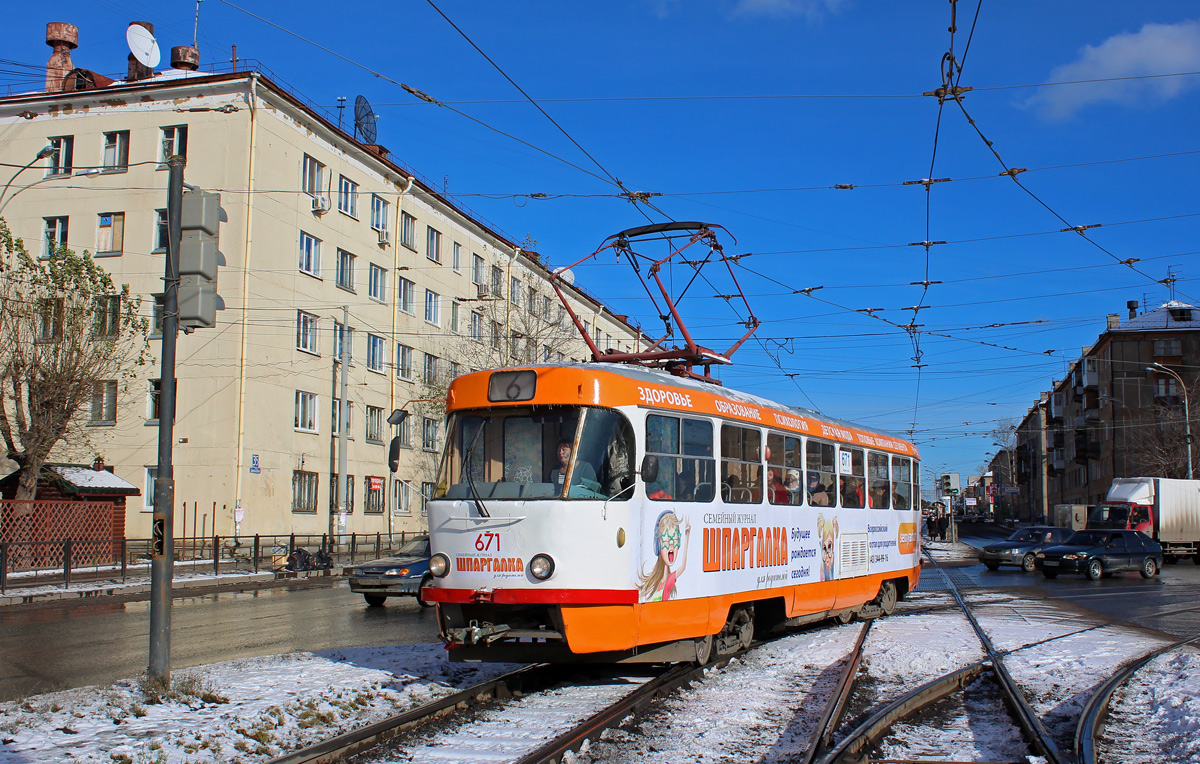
71,339
1155,437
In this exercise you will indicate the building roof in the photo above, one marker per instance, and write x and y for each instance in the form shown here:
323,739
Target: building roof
82,480
1172,315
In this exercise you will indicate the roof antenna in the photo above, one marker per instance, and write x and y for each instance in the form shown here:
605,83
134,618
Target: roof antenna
196,28
341,107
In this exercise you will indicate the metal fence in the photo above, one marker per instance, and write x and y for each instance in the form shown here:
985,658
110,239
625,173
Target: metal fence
70,561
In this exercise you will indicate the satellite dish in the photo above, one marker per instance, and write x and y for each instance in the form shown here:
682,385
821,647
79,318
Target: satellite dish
364,120
142,45
566,274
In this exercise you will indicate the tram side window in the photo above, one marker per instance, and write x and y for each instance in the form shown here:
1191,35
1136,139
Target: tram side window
741,464
684,449
879,484
821,478
902,492
851,468
783,469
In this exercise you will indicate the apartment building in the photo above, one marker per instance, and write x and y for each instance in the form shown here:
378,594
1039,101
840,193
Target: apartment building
325,241
1119,411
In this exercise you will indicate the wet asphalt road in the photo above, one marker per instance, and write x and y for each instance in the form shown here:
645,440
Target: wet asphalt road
55,647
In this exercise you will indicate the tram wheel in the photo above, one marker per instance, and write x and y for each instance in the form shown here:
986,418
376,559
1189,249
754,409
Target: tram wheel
738,632
887,597
704,649
845,617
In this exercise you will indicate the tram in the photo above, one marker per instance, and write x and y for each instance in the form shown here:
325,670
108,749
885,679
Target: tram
609,512
633,509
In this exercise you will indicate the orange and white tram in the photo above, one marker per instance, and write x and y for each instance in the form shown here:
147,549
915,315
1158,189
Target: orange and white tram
611,512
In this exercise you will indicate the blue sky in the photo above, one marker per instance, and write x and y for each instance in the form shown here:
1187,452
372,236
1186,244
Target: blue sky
748,113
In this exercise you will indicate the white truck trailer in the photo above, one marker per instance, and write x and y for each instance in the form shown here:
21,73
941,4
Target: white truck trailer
1166,510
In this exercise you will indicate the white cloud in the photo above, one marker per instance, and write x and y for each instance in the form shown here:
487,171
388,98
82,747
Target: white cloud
811,9
1154,49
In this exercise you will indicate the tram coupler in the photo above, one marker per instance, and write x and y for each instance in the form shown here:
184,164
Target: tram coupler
474,634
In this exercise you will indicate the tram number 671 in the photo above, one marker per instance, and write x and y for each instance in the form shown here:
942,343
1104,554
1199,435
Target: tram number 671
483,542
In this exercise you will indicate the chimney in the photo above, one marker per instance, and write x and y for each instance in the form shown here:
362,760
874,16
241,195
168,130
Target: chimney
137,70
1132,305
1113,321
185,57
63,37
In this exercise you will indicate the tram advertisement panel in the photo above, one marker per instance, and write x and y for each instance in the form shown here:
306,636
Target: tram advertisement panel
692,552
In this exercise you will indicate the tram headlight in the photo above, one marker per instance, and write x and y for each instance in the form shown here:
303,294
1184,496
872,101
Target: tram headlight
439,565
541,566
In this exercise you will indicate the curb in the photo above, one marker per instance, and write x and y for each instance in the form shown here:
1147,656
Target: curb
120,590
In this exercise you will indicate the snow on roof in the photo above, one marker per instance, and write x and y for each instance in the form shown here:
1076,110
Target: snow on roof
88,480
1170,315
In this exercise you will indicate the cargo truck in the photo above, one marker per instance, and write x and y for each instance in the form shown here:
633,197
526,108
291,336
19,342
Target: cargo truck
1166,510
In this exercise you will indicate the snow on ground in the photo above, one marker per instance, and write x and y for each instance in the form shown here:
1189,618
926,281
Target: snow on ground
1156,715
245,710
761,707
115,585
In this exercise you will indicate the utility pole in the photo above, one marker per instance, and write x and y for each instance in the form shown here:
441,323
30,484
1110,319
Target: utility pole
343,412
162,550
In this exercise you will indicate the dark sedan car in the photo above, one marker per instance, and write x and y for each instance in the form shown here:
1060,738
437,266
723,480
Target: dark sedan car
1021,547
404,573
1097,553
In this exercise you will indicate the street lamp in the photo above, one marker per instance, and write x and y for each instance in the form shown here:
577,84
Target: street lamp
45,152
1187,419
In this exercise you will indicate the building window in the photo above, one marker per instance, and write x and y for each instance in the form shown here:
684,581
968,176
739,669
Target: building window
345,270
304,491
1168,348
531,304
373,495
110,238
400,498
56,235
153,400
306,411
432,307
497,282
379,212
106,323
514,345
547,314
433,244
174,142
306,332
347,196
62,161
408,230
497,336
162,231
1165,387
116,151
374,424
50,320
339,336
404,294
336,413
156,319
104,402
375,353
429,373
453,371
404,432
456,257
333,494
426,492
148,494
514,291
377,283
310,254
429,434
477,327
312,172
477,270
454,310
404,362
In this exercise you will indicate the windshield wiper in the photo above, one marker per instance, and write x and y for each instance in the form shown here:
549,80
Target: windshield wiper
471,480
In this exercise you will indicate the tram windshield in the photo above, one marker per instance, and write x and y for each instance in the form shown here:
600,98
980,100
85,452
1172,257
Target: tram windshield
538,452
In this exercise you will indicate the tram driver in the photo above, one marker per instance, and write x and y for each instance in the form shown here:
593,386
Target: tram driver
583,470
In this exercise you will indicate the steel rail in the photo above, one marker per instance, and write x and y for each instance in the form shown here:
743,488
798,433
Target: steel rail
356,741
1027,719
831,717
877,725
1095,711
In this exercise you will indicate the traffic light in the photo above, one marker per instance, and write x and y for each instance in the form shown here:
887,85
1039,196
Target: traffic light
944,484
198,259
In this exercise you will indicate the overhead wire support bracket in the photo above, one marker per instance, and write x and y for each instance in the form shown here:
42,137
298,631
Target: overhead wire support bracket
1080,228
923,283
924,244
807,290
422,95
926,182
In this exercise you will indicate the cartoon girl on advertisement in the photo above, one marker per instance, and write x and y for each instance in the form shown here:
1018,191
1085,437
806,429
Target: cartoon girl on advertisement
670,546
827,531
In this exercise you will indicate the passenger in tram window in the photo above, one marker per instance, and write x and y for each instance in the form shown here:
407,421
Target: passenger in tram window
818,494
731,484
776,491
878,498
852,493
792,484
899,500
